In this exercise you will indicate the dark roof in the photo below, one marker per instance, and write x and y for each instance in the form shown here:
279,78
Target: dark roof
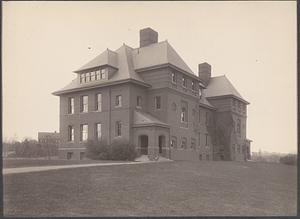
221,86
158,54
145,119
108,57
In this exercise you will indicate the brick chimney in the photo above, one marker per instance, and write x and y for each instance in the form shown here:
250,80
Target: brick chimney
148,36
204,71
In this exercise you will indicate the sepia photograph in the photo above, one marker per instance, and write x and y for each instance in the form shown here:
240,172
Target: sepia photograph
149,108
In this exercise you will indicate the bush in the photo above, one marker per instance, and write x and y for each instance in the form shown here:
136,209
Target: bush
290,159
118,150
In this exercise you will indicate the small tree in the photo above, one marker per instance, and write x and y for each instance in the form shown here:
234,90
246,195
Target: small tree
290,159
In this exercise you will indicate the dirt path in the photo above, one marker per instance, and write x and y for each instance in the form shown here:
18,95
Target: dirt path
6,171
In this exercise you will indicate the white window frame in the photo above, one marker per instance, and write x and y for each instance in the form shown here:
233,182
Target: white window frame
84,132
118,101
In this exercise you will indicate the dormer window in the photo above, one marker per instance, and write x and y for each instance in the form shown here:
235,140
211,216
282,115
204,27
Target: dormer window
93,78
82,78
184,82
200,92
88,77
102,73
193,85
173,77
98,75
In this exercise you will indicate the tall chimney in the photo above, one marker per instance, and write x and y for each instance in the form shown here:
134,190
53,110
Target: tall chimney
204,71
148,36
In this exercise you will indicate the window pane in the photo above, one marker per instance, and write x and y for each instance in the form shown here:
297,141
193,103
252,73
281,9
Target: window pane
157,102
87,77
98,75
98,131
84,103
93,76
118,100
84,132
99,102
71,105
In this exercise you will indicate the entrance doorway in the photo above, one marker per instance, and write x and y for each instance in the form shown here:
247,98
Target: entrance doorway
144,144
161,143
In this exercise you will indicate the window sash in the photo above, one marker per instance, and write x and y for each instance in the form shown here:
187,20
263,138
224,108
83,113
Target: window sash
71,105
71,133
99,102
157,102
84,103
118,129
84,132
98,131
118,100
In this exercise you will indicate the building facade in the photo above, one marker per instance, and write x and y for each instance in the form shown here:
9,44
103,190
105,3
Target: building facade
149,97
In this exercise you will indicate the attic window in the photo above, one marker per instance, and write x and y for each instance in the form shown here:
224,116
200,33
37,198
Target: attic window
92,76
184,82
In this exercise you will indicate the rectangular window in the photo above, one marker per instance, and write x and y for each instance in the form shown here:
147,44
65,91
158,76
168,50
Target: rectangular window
157,102
118,128
199,139
71,133
84,104
83,132
193,86
98,75
87,77
200,91
93,75
184,81
139,101
82,78
183,115
98,102
71,105
206,139
193,143
173,142
199,115
183,143
69,155
118,100
102,73
173,77
98,133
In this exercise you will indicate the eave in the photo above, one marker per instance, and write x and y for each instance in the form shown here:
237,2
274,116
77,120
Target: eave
105,84
228,95
166,65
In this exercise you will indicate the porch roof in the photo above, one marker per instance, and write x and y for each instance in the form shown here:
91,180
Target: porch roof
141,119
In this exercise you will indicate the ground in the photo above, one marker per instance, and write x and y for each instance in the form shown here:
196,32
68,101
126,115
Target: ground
155,189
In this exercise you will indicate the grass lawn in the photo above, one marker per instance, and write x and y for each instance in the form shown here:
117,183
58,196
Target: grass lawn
156,189
13,163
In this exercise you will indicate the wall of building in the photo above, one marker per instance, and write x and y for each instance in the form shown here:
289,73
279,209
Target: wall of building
107,117
232,144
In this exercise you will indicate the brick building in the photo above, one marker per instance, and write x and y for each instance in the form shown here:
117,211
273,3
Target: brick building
151,98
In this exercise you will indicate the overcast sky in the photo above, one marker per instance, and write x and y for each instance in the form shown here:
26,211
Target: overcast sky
252,43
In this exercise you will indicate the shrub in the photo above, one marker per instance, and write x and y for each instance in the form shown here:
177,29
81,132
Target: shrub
290,159
118,150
